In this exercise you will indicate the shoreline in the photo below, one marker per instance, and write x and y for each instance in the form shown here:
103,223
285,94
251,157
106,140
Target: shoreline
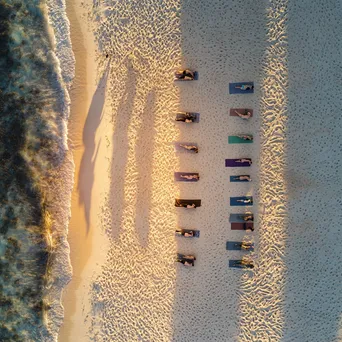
84,238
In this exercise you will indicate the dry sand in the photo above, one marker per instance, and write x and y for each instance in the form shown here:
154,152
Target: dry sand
126,286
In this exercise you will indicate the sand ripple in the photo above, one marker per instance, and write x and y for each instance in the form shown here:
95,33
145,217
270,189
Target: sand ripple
262,296
133,295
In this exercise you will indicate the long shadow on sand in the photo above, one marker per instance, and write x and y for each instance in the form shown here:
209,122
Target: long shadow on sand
94,117
120,151
144,154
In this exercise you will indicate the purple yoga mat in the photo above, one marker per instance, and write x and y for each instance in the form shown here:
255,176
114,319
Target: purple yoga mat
234,163
240,110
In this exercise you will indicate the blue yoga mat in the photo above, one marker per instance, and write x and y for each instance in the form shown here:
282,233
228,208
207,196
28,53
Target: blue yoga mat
236,246
179,178
237,218
234,201
233,90
234,163
235,264
233,180
196,77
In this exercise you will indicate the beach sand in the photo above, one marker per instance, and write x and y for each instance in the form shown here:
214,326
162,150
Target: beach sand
87,143
126,285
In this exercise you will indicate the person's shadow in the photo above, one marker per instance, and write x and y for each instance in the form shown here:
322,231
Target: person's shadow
86,174
120,141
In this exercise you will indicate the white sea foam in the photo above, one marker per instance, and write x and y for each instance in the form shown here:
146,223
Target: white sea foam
59,191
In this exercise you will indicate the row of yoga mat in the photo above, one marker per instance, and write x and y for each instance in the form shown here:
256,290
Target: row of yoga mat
195,117
240,224
191,177
195,203
237,220
234,88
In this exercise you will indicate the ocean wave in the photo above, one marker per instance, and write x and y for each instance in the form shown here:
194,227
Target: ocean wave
36,172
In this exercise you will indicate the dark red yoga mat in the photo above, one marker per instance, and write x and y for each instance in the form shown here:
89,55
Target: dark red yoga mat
242,226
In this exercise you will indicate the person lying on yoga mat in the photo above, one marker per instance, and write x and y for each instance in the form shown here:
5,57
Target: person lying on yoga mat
187,263
190,176
185,234
248,217
245,263
247,227
245,201
190,148
186,205
245,87
243,177
188,117
244,160
185,75
245,137
246,245
187,260
245,115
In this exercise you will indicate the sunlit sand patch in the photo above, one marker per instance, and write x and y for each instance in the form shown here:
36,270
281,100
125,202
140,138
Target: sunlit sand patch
133,296
261,295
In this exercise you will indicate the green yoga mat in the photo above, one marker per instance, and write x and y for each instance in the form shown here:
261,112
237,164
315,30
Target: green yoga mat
233,139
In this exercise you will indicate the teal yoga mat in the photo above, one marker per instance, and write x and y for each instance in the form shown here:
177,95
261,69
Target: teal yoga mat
233,139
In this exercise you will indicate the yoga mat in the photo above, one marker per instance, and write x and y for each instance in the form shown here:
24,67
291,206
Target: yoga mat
178,177
234,201
183,257
236,246
234,163
233,90
181,149
237,217
240,110
242,226
182,115
196,77
233,139
180,202
233,180
182,231
234,264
